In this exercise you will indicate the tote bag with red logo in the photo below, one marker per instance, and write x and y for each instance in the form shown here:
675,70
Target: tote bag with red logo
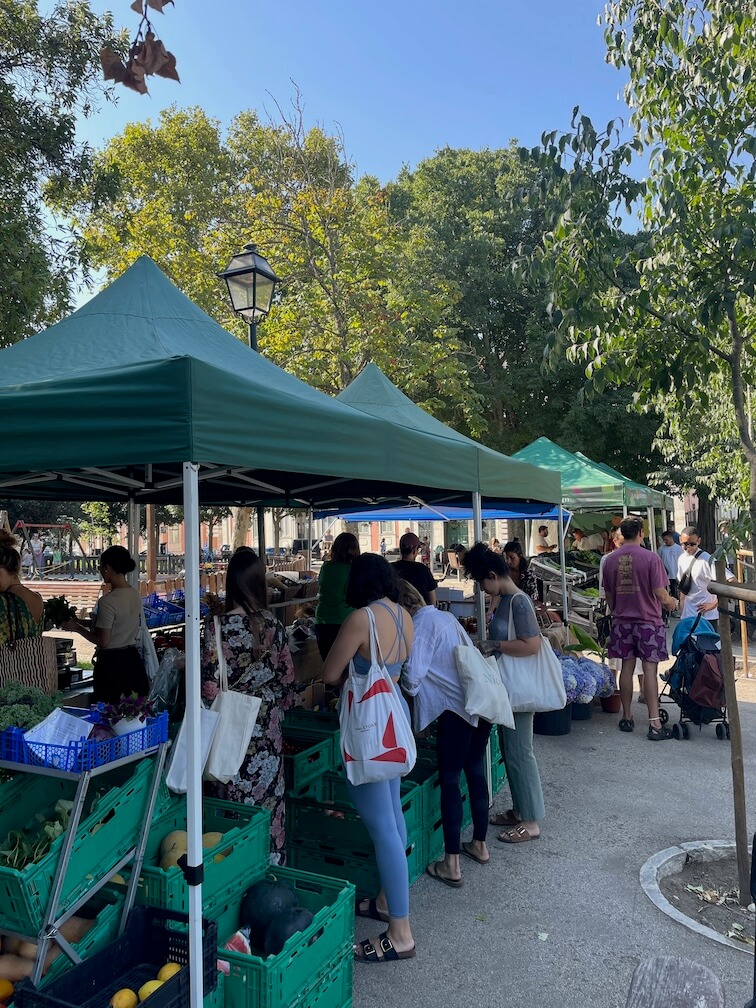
377,743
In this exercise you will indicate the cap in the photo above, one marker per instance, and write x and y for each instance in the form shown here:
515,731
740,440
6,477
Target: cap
409,541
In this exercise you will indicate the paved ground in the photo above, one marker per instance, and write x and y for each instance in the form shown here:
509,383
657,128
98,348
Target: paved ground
563,921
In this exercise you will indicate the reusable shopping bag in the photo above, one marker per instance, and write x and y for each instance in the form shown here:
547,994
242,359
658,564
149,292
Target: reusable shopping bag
237,716
485,694
146,648
377,743
534,682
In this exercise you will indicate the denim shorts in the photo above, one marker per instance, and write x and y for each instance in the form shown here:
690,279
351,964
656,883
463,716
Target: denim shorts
638,639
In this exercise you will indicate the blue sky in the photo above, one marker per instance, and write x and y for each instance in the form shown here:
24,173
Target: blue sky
399,79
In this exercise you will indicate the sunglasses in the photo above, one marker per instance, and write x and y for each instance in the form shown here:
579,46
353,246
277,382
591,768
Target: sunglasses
687,545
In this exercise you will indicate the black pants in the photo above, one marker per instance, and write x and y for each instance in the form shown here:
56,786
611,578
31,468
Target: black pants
460,747
325,635
117,672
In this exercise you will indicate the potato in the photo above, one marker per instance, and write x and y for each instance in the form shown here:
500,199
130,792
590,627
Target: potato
13,967
12,945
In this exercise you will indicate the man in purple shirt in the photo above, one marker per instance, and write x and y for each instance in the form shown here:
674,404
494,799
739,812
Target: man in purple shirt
635,583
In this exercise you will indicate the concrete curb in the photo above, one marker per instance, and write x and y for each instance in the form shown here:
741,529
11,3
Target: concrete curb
671,862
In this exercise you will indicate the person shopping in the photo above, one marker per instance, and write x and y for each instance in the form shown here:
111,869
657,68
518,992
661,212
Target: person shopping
259,662
372,584
519,569
491,572
118,669
332,609
430,676
21,610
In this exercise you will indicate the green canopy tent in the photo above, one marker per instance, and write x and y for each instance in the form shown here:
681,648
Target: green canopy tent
637,495
139,396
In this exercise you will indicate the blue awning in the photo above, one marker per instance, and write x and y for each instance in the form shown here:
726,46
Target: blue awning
527,512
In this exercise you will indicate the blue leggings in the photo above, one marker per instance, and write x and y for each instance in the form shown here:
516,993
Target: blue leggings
380,807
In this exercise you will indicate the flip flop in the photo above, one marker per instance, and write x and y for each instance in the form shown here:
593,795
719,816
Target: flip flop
469,852
372,912
517,835
366,952
433,871
507,818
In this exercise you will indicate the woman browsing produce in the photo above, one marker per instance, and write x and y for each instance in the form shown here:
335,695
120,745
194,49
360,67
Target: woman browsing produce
332,609
259,662
21,610
118,669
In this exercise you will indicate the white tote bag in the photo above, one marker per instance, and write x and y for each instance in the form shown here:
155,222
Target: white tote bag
485,694
377,743
146,648
177,776
534,682
237,716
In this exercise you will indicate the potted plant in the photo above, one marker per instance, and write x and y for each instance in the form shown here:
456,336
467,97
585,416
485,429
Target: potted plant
129,714
606,678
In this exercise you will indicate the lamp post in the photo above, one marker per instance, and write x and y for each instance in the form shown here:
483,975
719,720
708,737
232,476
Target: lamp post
251,283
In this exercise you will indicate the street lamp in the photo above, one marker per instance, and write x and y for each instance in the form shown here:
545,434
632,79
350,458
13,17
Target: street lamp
251,283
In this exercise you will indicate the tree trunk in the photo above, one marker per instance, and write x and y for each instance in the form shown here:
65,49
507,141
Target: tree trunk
706,524
242,521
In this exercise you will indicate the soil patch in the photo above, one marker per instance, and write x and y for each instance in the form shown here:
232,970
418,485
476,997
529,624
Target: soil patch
707,891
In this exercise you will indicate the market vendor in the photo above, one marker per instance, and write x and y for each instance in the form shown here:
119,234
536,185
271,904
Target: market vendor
118,666
21,610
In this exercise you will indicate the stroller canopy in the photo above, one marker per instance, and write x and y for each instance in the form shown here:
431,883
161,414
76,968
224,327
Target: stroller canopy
704,636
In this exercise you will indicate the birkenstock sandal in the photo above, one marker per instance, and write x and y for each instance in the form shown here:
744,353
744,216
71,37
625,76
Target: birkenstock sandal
467,850
626,724
433,871
372,911
507,818
517,835
366,952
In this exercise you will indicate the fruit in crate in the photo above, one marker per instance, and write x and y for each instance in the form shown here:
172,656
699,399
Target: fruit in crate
6,990
283,926
211,839
261,903
170,969
149,988
124,998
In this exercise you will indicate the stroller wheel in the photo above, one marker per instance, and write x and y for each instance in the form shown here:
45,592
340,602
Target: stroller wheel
663,716
676,732
685,731
720,731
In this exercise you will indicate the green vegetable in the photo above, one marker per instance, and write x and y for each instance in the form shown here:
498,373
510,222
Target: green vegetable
29,845
58,611
24,706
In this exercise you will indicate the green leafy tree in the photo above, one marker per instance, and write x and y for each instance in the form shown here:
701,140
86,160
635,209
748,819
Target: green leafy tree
671,312
49,75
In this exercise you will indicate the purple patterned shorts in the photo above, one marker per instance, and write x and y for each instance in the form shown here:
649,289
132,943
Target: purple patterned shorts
638,639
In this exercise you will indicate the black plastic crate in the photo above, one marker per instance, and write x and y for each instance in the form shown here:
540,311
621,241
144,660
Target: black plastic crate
152,938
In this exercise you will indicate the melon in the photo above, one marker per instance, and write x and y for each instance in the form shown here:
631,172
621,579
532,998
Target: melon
283,926
211,840
175,840
261,903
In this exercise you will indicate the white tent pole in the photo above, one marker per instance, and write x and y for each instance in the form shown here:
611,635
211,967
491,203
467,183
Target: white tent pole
194,792
651,528
480,602
132,539
561,534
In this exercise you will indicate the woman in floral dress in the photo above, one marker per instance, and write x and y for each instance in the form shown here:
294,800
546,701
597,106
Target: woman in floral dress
259,662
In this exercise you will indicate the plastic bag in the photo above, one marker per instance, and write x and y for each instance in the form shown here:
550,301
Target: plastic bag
165,685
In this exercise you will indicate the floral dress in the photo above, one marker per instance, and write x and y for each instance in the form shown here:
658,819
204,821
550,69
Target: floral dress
19,622
260,780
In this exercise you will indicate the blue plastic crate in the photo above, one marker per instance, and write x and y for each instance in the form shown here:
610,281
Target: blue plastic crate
84,754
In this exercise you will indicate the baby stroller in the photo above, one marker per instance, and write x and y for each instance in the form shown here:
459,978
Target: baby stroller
695,681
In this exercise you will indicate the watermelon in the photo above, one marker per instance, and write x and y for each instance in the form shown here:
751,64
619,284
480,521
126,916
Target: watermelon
283,926
261,903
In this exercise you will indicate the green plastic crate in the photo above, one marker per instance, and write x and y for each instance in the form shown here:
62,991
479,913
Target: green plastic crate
105,931
283,979
104,836
217,998
245,844
326,813
433,841
333,988
357,865
314,758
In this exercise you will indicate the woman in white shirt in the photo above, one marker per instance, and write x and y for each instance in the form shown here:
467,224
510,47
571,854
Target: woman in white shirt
430,676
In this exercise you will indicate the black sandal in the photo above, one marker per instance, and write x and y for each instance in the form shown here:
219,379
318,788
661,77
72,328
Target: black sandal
626,724
372,912
366,952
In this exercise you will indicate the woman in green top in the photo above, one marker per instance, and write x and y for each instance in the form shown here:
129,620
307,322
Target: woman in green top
332,608
21,610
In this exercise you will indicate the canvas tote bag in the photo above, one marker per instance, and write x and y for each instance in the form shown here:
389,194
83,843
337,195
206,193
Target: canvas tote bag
377,743
534,682
485,694
237,717
29,660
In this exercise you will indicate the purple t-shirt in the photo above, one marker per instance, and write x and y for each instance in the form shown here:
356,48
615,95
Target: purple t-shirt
630,575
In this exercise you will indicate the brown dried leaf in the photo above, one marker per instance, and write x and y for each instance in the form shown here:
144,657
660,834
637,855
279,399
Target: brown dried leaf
169,68
112,65
135,82
158,4
138,6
